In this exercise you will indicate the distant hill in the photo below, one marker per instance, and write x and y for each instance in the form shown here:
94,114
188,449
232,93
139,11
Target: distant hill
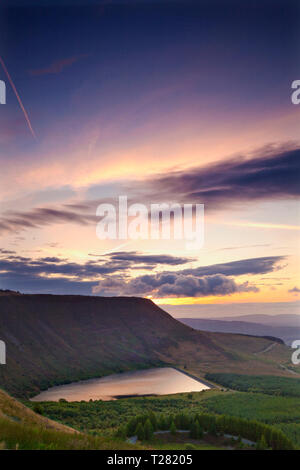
54,339
286,333
286,320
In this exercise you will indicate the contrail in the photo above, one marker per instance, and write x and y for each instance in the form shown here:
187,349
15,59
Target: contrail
18,98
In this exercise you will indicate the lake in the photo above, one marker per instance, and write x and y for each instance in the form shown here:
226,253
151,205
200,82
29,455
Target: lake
156,381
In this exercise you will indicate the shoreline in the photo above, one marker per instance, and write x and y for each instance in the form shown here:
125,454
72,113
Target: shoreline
198,379
63,389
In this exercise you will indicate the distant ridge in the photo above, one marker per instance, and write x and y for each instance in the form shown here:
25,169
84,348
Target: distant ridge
286,334
287,319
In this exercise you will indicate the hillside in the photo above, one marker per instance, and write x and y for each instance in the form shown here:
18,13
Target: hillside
55,339
286,333
12,410
22,428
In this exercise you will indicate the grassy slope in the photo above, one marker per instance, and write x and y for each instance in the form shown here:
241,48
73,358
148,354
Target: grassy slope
239,354
58,339
11,409
21,428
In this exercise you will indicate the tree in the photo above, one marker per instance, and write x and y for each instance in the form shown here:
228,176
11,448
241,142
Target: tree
131,427
173,428
262,444
38,409
140,432
162,424
148,430
169,419
213,428
186,421
199,431
180,421
121,433
153,420
193,430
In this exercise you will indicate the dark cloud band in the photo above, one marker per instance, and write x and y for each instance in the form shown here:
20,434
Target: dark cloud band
112,275
241,179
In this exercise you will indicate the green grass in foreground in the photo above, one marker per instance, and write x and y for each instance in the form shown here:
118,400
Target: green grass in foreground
180,446
25,437
183,441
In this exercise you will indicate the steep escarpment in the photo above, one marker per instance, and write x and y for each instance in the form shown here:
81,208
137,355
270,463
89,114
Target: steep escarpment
54,339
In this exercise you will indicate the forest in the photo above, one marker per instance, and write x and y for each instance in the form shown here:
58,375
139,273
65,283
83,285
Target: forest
104,418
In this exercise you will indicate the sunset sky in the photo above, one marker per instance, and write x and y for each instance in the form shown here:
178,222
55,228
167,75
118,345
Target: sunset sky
163,102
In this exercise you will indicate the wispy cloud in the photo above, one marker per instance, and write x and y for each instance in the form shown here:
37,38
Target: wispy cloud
260,265
262,225
38,217
139,258
268,176
58,66
295,291
272,176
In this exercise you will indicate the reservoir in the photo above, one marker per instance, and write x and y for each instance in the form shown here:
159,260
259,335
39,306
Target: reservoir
156,381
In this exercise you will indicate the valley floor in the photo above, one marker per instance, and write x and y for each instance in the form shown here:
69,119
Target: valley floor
103,418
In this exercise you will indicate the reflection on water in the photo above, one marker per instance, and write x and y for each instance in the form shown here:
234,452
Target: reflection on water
159,381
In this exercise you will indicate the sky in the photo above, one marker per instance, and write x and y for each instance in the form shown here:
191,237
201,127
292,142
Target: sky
161,101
